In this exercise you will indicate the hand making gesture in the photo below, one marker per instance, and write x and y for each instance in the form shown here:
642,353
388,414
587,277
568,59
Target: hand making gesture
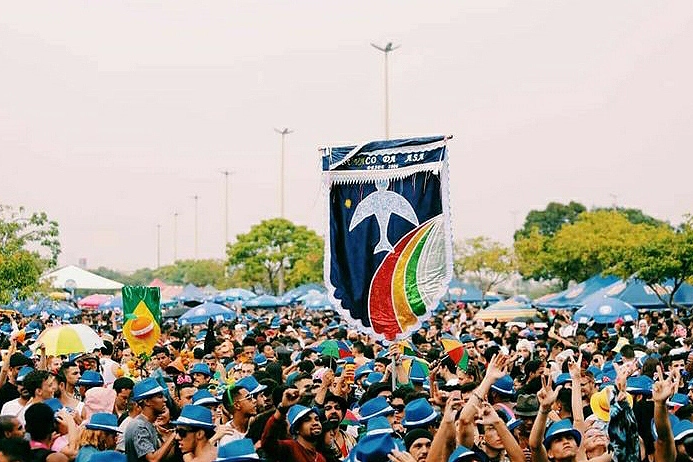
497,367
547,395
664,387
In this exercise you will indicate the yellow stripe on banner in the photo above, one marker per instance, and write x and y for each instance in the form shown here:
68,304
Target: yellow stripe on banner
405,316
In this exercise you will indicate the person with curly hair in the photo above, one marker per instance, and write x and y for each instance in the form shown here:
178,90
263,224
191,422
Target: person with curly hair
99,435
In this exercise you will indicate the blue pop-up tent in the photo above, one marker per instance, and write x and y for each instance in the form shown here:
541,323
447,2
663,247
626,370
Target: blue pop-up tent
459,291
191,294
264,301
575,296
641,296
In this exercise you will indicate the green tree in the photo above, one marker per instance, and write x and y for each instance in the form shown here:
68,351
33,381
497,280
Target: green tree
635,216
594,244
258,256
29,245
551,219
490,263
664,255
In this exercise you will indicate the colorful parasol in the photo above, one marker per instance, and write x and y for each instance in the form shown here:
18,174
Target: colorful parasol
417,369
335,348
406,347
74,338
456,351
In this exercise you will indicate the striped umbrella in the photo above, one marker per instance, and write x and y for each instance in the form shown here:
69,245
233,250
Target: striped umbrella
72,338
456,351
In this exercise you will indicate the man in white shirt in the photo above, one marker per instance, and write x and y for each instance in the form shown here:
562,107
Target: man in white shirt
16,407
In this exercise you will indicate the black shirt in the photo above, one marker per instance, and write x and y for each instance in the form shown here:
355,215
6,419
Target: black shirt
8,392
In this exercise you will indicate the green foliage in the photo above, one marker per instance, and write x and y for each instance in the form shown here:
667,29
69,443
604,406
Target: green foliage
594,244
258,256
635,216
551,219
665,254
29,245
490,263
182,272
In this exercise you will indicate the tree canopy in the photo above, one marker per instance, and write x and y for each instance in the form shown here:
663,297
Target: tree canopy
609,241
551,219
29,245
490,263
258,256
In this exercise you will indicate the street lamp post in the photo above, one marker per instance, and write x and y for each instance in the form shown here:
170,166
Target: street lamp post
196,199
175,236
386,50
226,174
158,246
283,132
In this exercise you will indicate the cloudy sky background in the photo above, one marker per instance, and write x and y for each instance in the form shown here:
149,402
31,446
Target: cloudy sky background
114,114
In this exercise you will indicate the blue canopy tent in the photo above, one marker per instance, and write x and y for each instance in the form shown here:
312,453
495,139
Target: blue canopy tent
233,294
264,301
605,310
294,294
576,296
116,303
459,291
191,295
318,302
206,311
641,296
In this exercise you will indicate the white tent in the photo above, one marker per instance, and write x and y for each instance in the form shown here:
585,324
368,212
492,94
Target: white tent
73,277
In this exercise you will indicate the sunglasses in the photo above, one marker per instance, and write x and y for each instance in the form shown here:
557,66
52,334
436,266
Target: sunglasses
398,407
183,432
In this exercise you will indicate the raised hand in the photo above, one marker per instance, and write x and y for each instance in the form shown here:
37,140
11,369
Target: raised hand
487,415
547,395
497,367
290,397
664,387
452,407
574,368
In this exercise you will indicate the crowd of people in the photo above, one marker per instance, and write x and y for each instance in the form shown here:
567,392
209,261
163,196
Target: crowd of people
271,386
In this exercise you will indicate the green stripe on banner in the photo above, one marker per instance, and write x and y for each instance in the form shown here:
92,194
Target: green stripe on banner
410,280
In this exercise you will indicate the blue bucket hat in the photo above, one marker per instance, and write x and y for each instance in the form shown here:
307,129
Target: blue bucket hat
251,384
682,429
108,456
673,422
362,371
91,379
54,403
146,389
260,360
296,413
504,386
375,407
462,454
373,377
103,421
376,448
379,426
195,416
204,397
23,373
242,450
562,379
559,428
639,385
678,399
419,413
201,368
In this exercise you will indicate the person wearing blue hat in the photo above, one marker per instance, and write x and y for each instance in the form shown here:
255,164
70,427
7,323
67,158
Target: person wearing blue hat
204,398
419,413
201,374
375,407
88,380
108,456
304,424
242,450
141,437
194,429
240,402
15,406
99,435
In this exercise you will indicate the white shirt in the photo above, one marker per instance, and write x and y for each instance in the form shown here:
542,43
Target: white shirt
14,408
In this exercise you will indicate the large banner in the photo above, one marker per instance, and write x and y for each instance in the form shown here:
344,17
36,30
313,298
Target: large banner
388,249
142,318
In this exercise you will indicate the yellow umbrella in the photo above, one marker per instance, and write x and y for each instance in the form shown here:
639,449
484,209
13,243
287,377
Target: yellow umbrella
64,340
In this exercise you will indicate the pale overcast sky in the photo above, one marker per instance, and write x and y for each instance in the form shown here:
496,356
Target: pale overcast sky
114,114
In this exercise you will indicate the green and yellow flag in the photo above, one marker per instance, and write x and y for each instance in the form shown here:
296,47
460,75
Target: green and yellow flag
142,318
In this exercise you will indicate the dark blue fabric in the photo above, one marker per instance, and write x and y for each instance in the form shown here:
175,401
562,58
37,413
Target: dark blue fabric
353,263
338,154
575,296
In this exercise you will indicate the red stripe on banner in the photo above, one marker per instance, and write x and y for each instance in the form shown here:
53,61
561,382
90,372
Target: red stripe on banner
380,308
